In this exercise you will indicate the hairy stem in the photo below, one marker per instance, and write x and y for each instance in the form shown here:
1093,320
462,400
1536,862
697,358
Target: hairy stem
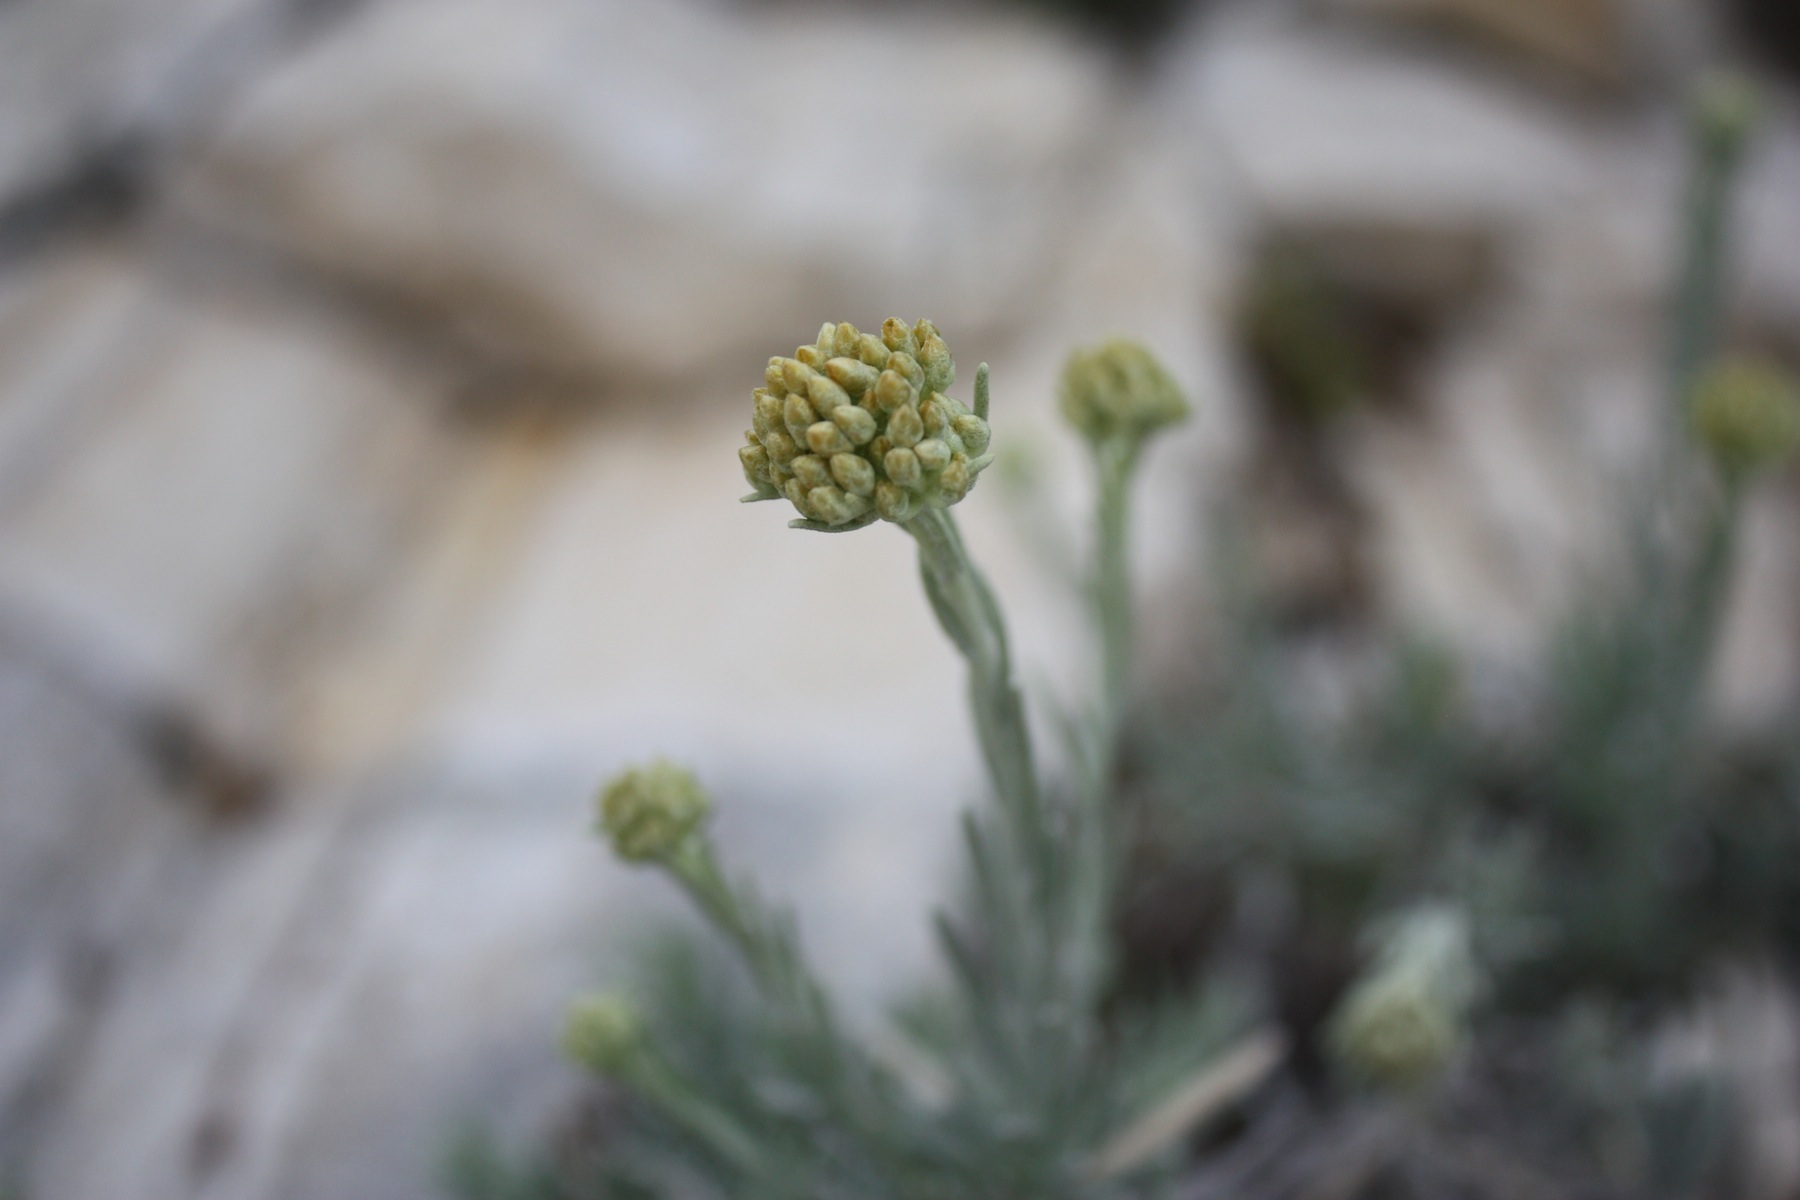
766,941
966,608
1116,462
1699,295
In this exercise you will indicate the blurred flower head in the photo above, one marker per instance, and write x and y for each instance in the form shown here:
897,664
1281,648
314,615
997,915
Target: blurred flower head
1747,414
603,1032
1119,392
1404,1021
650,812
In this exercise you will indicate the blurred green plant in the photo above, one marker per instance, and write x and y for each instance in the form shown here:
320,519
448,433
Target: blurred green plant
1605,846
1019,1079
1418,950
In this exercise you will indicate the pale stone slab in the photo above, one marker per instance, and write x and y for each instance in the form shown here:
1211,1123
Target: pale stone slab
644,190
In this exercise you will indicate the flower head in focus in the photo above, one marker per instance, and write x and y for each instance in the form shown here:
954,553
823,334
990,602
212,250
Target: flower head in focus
858,426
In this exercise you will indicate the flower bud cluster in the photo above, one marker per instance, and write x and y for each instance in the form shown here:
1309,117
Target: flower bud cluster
855,427
1748,415
602,1033
1404,1021
1119,391
650,812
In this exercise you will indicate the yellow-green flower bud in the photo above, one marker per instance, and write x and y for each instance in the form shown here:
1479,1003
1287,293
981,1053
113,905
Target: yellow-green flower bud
853,375
1119,391
855,427
650,812
1727,108
811,471
1405,1020
1748,414
603,1033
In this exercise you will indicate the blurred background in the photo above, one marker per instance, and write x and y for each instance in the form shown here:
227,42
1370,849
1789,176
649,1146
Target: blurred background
371,373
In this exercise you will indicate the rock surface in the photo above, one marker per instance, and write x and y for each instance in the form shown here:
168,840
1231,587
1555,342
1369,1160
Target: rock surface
384,474
539,175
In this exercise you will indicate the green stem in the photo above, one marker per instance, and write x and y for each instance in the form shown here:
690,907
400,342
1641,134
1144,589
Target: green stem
1699,295
767,943
966,608
1116,462
677,1100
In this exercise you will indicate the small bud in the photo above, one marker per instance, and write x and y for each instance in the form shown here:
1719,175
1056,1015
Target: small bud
756,465
772,378
812,358
897,337
798,414
768,413
955,480
835,506
870,350
1119,391
853,376
650,812
933,454
826,439
827,339
781,446
1727,109
940,368
853,474
603,1034
1748,414
909,367
892,502
858,425
906,427
892,391
811,471
973,431
1404,1021
935,416
796,491
794,374
844,343
903,468
826,395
